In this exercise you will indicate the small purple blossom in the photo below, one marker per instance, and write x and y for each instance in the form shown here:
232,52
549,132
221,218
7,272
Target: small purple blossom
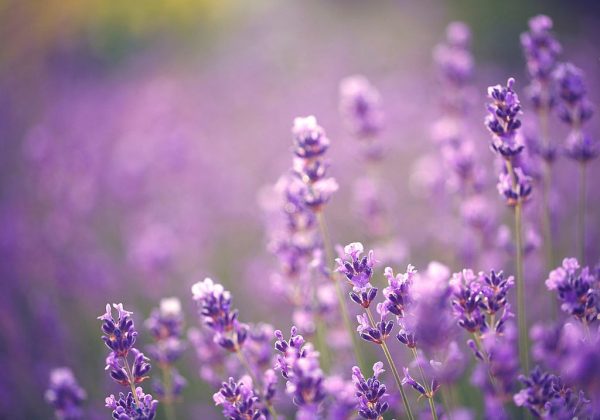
125,407
65,394
299,365
371,393
515,187
357,269
360,106
238,400
214,303
397,294
577,290
502,120
120,334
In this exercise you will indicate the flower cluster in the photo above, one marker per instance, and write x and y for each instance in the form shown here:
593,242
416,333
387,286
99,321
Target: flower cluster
238,400
371,393
214,303
420,388
138,406
358,270
577,290
299,365
65,395
120,336
166,326
541,50
310,145
360,106
546,396
476,299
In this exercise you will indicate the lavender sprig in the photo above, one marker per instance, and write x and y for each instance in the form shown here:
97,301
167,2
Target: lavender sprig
120,336
65,394
371,393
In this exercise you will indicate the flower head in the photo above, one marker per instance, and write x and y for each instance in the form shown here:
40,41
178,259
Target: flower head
371,393
120,333
65,394
126,408
357,268
502,120
360,106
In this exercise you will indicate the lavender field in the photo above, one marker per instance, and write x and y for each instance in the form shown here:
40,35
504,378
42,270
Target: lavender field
332,209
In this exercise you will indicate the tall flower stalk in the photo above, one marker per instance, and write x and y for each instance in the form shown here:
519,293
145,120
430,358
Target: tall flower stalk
514,185
315,189
358,270
541,50
575,109
120,336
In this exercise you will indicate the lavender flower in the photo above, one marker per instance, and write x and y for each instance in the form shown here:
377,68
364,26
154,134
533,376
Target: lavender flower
371,393
380,332
215,307
546,397
313,188
166,325
397,294
515,187
357,269
120,335
502,120
238,400
130,407
65,394
360,106
409,380
453,57
541,50
578,292
478,298
299,365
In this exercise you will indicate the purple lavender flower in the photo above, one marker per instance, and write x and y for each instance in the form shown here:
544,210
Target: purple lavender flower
166,326
397,294
515,187
310,140
380,332
120,334
215,307
357,269
547,397
360,106
371,393
238,400
299,365
65,394
453,57
541,50
314,188
120,337
578,292
128,407
409,380
502,120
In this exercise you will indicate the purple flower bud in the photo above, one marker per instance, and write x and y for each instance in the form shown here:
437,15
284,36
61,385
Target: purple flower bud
120,334
357,269
502,120
65,394
360,106
371,393
126,408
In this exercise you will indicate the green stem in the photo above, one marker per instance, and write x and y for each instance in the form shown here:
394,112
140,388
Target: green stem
582,205
428,391
168,400
338,288
522,317
523,336
131,380
392,365
246,365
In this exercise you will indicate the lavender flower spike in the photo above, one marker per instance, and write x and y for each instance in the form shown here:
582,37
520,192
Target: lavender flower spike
215,307
371,393
238,400
65,394
502,120
140,407
360,106
357,269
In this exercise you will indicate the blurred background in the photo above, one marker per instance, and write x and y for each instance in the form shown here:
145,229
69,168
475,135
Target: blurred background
136,138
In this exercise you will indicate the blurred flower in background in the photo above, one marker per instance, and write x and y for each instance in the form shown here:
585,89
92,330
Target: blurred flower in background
136,137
